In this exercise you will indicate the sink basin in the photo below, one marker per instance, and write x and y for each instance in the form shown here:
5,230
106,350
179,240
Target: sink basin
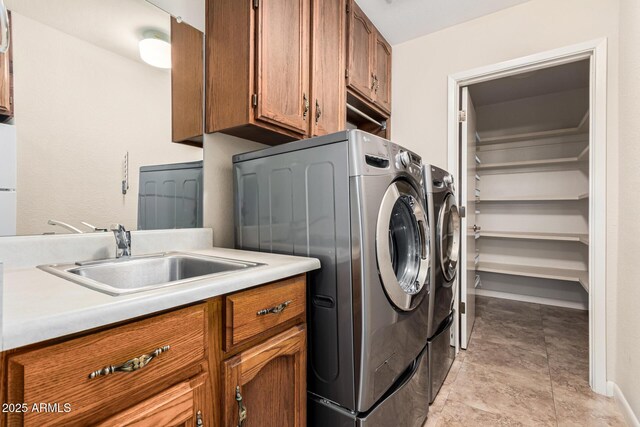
137,274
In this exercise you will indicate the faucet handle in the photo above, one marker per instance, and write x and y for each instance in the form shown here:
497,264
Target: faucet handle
117,227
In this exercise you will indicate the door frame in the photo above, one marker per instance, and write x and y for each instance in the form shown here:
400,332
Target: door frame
596,51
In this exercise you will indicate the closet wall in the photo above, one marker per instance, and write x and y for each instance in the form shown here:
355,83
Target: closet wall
533,187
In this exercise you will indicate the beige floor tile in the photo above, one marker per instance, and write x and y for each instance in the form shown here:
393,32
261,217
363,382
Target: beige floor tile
551,312
455,368
527,400
518,307
511,359
510,334
583,407
461,415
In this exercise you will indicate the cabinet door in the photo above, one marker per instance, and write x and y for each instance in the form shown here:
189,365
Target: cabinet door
328,59
282,63
361,36
382,74
180,406
266,385
187,82
5,82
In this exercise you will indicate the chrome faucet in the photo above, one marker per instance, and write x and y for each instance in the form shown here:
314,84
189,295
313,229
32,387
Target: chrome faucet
123,240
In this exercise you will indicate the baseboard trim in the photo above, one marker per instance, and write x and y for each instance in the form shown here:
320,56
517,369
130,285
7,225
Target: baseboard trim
535,300
627,412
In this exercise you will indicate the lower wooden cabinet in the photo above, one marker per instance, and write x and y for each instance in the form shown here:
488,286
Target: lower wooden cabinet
171,369
266,385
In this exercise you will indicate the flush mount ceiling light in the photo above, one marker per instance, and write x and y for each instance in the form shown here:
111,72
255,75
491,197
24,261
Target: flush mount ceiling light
155,49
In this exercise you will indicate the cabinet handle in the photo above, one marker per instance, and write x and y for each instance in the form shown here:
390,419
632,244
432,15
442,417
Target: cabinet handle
130,365
275,310
242,410
373,81
306,106
377,83
318,111
199,422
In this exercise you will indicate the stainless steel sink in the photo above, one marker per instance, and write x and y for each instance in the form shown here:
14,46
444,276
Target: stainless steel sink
136,274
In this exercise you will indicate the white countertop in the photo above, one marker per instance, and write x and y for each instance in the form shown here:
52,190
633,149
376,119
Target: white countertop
39,306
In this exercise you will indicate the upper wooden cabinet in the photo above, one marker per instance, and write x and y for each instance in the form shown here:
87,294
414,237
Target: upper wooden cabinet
382,89
369,60
6,84
187,83
328,63
361,51
282,63
274,68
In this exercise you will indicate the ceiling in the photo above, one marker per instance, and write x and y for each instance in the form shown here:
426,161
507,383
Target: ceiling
114,25
574,75
403,20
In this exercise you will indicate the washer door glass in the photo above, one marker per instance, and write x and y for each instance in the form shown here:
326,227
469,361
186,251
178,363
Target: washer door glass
449,237
402,245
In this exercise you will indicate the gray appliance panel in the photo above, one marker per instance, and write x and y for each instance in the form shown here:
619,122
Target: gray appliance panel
442,293
298,203
441,357
170,196
404,406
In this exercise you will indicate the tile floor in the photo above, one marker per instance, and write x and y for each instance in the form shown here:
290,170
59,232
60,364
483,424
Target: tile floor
526,365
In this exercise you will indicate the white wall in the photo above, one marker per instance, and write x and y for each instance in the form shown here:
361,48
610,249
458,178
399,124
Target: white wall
421,67
218,184
628,354
78,110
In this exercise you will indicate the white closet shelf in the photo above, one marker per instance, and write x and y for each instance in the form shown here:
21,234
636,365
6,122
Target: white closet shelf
581,128
528,235
530,163
579,276
541,198
584,155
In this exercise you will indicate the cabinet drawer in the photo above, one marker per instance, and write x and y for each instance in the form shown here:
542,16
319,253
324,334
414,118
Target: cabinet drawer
252,312
61,373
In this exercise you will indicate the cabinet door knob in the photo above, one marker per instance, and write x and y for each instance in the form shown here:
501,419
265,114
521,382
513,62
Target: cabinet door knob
318,111
306,106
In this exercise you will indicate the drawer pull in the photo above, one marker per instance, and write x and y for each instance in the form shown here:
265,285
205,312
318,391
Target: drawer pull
130,365
275,310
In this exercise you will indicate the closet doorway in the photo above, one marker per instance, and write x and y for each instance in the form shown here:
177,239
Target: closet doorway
527,142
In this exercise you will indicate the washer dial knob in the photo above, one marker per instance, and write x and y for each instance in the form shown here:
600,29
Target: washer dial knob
404,158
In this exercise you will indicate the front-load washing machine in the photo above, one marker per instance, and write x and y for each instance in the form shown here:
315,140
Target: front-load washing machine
445,218
356,202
